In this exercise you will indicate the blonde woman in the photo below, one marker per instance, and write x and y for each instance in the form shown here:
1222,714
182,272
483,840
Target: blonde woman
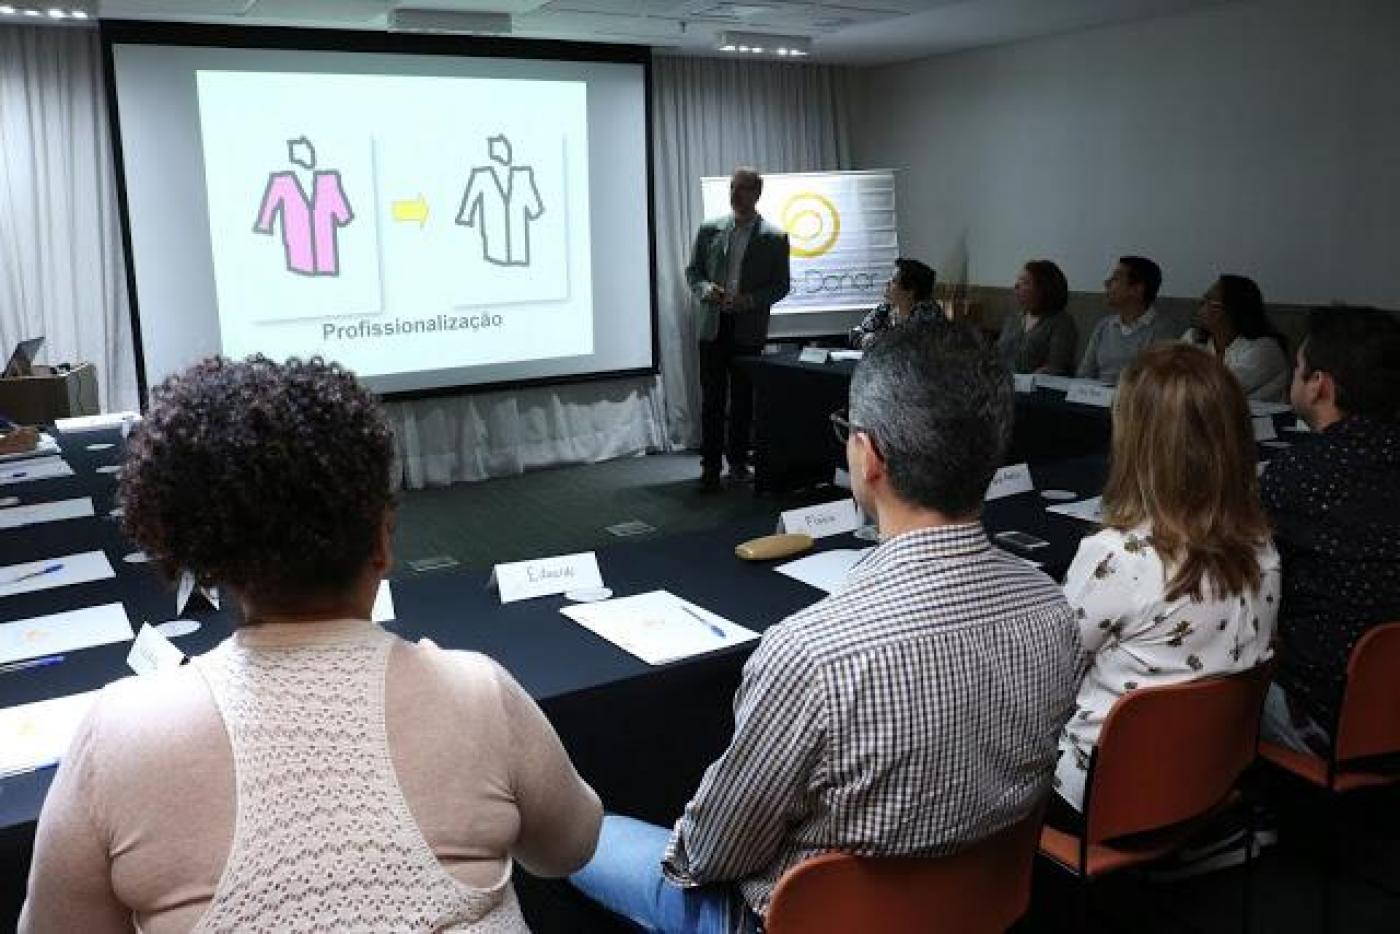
1183,581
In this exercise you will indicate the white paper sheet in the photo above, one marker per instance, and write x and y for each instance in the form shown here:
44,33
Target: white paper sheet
74,569
152,652
825,570
1258,408
1089,510
847,354
16,516
35,735
658,627
40,468
63,632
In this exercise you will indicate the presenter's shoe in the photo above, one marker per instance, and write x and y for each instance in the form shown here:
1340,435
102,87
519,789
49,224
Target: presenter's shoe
740,473
709,481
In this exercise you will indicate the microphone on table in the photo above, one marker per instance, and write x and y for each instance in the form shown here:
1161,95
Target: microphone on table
771,547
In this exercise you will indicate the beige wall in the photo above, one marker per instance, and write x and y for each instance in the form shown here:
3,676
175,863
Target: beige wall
1261,137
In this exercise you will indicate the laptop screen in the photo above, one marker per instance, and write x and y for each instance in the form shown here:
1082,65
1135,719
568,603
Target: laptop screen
22,360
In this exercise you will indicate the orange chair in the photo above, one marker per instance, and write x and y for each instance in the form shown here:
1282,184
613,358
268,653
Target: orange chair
1366,746
1166,763
1368,726
985,888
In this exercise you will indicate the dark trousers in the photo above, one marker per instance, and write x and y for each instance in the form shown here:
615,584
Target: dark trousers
725,389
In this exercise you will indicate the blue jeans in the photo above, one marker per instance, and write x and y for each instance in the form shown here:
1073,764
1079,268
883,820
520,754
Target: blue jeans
625,877
1278,726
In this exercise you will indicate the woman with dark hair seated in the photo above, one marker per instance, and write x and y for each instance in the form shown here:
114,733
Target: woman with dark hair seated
312,772
908,298
1234,326
1038,337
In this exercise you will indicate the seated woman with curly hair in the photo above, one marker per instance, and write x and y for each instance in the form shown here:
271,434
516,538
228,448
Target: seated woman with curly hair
313,772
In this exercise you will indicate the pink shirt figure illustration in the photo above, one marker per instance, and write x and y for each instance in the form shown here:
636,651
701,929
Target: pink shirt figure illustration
309,225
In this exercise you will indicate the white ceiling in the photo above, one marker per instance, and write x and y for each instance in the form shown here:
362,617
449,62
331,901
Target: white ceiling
858,32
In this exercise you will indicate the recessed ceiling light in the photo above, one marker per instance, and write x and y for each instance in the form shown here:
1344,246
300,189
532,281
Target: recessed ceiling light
78,14
57,14
763,43
7,10
31,12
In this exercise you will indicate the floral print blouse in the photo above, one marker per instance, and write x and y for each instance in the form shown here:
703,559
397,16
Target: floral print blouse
882,318
1134,637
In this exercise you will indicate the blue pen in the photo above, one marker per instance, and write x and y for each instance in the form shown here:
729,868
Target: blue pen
50,569
43,662
705,622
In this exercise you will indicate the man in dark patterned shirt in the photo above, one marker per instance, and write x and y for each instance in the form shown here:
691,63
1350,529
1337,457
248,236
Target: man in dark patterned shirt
914,712
1333,502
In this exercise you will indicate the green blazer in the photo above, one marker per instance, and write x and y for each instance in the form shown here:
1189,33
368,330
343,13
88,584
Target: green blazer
764,275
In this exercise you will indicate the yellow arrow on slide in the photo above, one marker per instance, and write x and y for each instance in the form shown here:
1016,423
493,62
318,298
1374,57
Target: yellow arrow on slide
411,211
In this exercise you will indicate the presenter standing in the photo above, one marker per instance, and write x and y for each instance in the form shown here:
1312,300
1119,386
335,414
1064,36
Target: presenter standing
738,270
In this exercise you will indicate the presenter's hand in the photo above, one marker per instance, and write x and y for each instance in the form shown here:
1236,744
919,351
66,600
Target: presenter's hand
714,294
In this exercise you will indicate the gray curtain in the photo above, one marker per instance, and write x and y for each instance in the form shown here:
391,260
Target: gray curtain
61,268
710,115
450,438
62,274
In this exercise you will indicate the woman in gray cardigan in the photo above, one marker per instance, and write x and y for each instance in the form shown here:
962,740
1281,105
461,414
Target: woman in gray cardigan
1039,337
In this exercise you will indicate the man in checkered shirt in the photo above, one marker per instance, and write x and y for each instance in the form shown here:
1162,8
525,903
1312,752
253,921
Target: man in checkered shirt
912,713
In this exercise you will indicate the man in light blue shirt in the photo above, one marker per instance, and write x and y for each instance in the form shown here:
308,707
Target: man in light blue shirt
1118,338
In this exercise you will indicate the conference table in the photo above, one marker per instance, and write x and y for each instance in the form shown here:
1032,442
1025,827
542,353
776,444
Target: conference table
794,446
641,735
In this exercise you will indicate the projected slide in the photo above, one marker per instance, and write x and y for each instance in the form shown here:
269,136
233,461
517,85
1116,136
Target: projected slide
398,223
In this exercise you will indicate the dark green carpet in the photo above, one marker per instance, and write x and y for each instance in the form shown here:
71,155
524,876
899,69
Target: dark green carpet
567,509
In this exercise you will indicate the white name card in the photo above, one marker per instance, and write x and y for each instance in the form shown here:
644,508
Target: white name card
1088,392
821,521
1264,429
813,355
1009,481
1025,382
1047,381
541,577
123,420
383,609
153,652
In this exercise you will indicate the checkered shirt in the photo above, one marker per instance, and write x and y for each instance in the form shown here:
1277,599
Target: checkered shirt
913,713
